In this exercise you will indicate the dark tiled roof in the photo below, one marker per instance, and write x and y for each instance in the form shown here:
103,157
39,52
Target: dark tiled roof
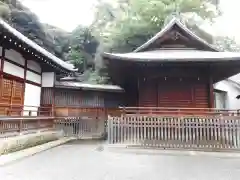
176,55
21,37
168,27
85,86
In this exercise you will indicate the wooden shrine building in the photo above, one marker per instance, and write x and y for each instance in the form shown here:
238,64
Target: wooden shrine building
72,98
174,69
25,68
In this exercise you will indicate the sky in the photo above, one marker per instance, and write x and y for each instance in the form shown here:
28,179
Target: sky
67,14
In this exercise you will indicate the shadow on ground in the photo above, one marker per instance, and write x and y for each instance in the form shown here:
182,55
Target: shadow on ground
85,142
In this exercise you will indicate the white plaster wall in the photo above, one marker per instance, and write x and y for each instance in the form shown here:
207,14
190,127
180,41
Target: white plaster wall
34,66
13,69
0,55
32,97
1,50
14,56
231,93
48,79
31,76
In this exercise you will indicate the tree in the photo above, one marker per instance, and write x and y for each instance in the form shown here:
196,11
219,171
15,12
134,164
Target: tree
133,22
123,25
225,43
84,46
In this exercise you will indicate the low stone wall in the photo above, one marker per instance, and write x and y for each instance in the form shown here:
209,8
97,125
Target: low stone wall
16,143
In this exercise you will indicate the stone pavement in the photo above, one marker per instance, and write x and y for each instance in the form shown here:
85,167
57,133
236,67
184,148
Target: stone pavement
91,161
12,157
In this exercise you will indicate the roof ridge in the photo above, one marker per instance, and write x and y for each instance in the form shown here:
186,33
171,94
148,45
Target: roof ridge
166,28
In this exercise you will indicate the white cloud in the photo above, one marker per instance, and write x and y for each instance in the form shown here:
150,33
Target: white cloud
64,14
67,14
228,24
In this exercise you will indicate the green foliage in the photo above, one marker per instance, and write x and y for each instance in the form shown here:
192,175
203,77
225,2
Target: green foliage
226,44
119,25
84,46
126,26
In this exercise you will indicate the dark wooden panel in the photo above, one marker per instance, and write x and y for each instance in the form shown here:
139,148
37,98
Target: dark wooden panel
47,96
17,91
11,97
6,91
78,98
148,93
201,96
187,93
175,94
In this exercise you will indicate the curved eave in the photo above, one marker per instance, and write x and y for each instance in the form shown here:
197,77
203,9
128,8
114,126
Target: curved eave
64,65
86,86
179,56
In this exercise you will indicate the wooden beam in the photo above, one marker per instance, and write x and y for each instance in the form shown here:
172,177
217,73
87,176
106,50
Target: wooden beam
1,72
211,93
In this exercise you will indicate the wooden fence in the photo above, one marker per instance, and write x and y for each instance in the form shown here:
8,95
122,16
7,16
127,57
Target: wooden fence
22,111
188,132
11,126
178,111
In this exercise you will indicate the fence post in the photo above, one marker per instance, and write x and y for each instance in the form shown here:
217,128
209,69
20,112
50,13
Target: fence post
20,126
1,127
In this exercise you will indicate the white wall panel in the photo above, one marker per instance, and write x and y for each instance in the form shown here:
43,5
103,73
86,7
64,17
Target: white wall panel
48,79
32,96
231,93
14,56
0,55
13,69
31,76
34,66
1,50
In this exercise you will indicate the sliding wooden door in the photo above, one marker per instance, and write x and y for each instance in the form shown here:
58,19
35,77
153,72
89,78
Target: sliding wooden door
11,94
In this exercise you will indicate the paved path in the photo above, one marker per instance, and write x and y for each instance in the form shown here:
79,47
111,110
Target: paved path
76,161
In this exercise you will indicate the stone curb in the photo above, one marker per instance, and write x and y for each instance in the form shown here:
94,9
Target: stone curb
148,151
8,158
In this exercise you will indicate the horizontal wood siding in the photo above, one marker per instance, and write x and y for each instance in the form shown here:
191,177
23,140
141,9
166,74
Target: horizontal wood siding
201,96
172,93
177,94
78,98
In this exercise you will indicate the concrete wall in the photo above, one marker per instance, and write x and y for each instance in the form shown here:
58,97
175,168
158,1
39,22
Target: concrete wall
16,143
232,91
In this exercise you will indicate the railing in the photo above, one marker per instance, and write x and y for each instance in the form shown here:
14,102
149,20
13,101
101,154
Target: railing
11,126
188,132
97,112
130,122
20,110
178,111
17,119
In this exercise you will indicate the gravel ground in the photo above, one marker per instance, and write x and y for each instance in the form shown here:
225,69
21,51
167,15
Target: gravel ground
90,161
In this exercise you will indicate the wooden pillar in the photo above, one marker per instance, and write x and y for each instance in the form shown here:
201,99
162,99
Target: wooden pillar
211,94
53,101
1,72
24,84
138,92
